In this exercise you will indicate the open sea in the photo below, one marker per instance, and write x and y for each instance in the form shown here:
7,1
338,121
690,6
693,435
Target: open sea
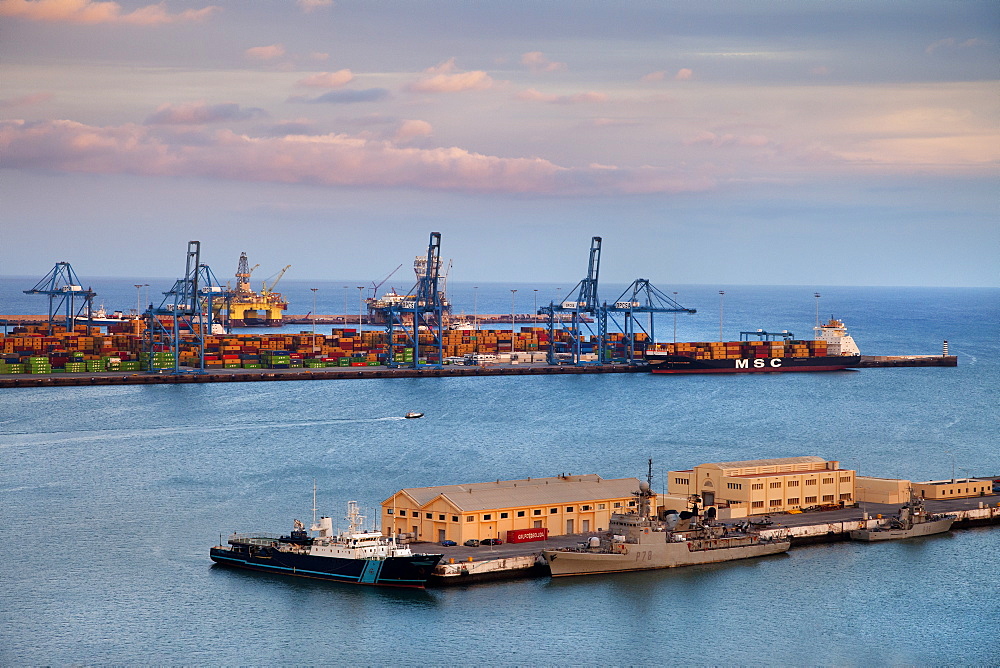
110,498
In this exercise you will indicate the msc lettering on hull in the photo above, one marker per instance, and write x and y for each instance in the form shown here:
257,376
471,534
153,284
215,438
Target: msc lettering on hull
758,363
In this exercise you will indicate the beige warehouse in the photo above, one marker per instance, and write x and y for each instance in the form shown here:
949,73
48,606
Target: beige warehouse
761,486
563,504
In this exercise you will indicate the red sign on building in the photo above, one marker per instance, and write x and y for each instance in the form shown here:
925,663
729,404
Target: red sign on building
527,535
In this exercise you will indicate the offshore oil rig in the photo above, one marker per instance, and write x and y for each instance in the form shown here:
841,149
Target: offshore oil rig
247,308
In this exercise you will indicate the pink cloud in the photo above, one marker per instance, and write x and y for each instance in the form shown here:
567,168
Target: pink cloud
453,83
412,129
199,113
537,62
654,76
89,12
265,52
308,6
327,79
683,74
952,43
325,160
25,100
532,95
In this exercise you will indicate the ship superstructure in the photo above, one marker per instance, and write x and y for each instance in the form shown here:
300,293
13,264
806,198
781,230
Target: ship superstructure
248,308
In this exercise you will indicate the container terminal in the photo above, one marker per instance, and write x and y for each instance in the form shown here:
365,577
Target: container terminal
191,334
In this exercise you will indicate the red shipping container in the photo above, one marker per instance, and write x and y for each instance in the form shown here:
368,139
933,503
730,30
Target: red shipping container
527,535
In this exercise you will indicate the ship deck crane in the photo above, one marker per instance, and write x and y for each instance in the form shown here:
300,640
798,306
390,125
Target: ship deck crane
64,288
267,290
586,303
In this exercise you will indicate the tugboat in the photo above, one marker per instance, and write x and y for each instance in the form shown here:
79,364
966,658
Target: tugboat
638,541
354,556
912,520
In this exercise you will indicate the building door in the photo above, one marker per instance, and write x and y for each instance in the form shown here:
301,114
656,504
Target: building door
537,524
708,498
586,526
569,526
416,534
441,535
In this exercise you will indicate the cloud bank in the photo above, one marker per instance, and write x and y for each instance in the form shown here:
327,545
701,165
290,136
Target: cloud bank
90,12
327,160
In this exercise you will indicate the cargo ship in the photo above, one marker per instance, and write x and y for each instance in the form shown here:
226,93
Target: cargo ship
354,556
637,541
833,349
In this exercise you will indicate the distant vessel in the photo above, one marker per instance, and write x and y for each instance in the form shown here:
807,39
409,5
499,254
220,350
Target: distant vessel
912,520
637,542
833,349
247,308
412,414
354,556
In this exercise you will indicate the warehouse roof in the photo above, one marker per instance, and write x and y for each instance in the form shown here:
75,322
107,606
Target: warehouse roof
529,492
809,459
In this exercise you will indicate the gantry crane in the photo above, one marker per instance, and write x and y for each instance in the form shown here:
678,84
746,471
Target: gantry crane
586,303
188,305
421,311
64,288
639,298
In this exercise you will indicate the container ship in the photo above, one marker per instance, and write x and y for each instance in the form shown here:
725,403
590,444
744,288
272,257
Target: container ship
354,556
833,349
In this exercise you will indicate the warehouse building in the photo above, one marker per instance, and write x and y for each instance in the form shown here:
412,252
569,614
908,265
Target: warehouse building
562,504
761,486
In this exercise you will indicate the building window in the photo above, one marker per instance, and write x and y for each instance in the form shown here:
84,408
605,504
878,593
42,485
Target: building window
441,518
487,517
553,510
734,485
757,485
775,485
810,499
430,516
569,509
775,503
389,511
811,481
402,513
682,481
584,507
504,516
793,502
537,511
601,506
845,497
454,518
845,478
792,483
617,504
520,513
631,503
757,504
827,498
827,481
470,518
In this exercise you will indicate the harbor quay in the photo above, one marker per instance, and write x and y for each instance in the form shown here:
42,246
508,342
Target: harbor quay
470,565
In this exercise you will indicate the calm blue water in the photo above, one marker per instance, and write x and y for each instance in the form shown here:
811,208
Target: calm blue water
111,498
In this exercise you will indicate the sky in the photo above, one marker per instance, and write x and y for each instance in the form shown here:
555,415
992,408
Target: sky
711,142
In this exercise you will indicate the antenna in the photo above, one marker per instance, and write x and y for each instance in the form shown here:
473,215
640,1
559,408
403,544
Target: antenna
314,501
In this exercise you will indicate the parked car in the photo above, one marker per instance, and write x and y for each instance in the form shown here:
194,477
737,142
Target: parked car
472,542
491,541
448,543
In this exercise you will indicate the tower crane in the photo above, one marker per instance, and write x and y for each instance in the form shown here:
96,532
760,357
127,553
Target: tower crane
63,288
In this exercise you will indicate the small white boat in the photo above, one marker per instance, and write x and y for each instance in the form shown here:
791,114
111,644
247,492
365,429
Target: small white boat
411,415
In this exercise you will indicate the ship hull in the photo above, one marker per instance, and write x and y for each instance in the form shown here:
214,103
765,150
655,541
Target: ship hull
921,529
655,556
410,572
683,364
